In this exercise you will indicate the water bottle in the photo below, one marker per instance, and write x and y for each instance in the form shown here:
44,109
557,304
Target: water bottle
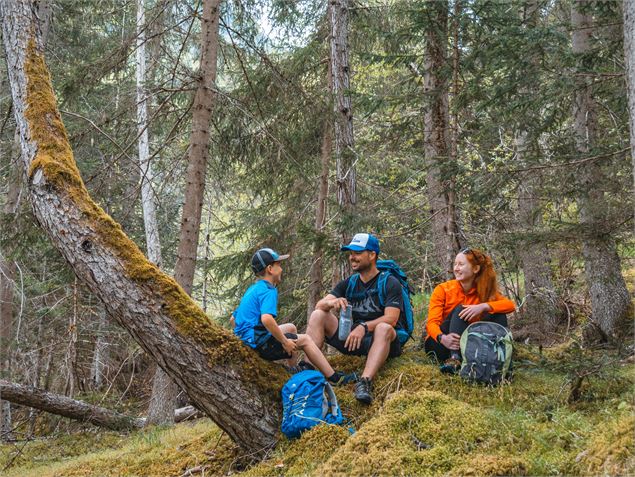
346,322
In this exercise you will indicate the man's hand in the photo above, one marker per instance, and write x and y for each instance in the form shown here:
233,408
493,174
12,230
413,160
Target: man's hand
289,346
354,340
451,340
339,303
470,313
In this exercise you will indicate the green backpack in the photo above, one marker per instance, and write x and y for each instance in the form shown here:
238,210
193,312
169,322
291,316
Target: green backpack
487,349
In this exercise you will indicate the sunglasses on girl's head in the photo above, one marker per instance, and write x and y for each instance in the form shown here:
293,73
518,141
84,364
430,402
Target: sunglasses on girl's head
466,250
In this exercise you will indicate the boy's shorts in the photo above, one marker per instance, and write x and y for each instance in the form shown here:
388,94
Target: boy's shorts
367,341
272,349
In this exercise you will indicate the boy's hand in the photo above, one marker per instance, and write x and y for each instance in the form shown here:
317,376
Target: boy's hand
339,303
354,339
289,346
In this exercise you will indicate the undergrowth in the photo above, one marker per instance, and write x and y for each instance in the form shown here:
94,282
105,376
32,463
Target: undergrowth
545,422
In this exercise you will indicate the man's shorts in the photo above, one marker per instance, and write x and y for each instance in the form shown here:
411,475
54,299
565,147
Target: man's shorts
272,349
367,341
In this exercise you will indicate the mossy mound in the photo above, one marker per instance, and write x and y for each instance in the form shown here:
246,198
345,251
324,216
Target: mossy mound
154,452
421,423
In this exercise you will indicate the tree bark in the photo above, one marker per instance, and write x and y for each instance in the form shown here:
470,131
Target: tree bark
199,141
436,144
346,171
610,300
539,308
164,390
628,8
225,379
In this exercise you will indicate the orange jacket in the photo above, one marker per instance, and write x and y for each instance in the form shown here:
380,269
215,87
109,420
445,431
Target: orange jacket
448,295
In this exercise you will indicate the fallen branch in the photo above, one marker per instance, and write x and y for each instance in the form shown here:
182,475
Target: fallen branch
80,410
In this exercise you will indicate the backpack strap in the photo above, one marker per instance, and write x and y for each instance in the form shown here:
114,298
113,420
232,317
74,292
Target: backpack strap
352,283
381,287
331,400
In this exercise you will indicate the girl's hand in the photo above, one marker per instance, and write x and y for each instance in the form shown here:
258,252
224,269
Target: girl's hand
470,313
451,341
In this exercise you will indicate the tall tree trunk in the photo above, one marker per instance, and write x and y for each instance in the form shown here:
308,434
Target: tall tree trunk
100,355
316,274
539,307
164,390
610,300
436,144
629,53
7,285
199,143
346,171
225,379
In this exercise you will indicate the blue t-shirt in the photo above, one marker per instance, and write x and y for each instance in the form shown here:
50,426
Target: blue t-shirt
260,298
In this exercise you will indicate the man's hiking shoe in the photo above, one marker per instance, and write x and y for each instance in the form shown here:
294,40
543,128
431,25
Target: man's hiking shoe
451,366
364,391
341,379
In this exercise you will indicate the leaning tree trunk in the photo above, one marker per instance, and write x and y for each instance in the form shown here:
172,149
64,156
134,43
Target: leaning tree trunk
226,380
629,55
436,141
610,300
346,172
539,308
164,390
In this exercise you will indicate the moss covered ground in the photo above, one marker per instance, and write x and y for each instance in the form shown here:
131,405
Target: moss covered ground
421,423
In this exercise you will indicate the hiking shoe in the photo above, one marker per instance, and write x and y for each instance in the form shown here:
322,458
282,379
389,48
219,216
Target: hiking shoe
292,369
364,391
451,366
304,366
341,379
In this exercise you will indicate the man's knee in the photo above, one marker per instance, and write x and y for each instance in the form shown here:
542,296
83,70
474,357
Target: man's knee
318,318
385,331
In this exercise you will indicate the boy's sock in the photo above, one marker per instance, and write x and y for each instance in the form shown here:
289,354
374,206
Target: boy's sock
338,378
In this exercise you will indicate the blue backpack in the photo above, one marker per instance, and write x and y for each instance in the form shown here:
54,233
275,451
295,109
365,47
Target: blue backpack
388,268
308,400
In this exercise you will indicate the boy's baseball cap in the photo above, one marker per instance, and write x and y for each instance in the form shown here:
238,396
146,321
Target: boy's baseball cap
264,257
362,242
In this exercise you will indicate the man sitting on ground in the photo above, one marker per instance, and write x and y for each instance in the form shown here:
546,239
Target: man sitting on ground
373,334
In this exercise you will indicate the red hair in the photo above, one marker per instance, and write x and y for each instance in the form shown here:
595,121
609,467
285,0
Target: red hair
485,278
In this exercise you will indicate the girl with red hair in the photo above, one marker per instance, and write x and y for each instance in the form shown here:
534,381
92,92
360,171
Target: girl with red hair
472,296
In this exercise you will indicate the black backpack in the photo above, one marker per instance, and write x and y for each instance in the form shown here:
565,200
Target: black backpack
487,349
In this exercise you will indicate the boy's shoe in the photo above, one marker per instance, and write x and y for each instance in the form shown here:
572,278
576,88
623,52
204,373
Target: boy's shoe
451,366
304,366
292,369
341,379
364,390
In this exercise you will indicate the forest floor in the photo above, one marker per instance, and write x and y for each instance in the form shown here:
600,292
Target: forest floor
567,411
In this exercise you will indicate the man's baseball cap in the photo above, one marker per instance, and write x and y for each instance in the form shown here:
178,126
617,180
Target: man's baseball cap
362,242
264,257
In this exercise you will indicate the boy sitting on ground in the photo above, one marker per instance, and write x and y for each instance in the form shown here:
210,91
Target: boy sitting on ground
255,322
